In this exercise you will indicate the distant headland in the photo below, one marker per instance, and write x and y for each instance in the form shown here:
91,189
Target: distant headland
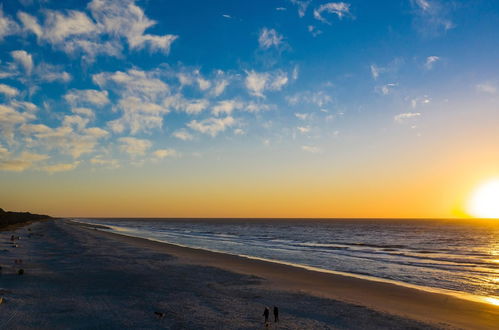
10,218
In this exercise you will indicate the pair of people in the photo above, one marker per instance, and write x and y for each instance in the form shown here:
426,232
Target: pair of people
266,313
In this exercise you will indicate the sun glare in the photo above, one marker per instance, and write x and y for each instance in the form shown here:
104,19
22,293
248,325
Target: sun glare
484,202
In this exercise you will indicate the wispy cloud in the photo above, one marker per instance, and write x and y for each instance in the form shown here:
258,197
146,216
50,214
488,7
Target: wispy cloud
302,6
404,117
431,17
269,38
311,149
134,146
212,126
340,9
430,62
257,83
486,88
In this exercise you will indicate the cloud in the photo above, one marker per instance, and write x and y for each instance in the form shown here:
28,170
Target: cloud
24,59
183,135
404,117
319,99
109,22
258,83
134,146
23,162
71,138
314,31
163,153
7,25
8,90
340,9
107,163
257,107
220,87
11,116
431,17
226,107
87,97
430,62
302,6
141,99
303,129
83,112
269,38
124,18
211,126
311,149
486,88
60,167
386,89
375,71
302,116
239,131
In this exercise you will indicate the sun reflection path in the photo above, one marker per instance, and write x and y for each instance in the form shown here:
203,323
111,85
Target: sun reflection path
493,301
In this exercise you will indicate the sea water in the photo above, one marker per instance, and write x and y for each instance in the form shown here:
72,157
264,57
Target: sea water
457,255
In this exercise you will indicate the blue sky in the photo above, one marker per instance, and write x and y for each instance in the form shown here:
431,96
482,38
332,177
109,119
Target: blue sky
106,84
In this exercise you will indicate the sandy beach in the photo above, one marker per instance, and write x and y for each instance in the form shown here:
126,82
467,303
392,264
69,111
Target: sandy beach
80,277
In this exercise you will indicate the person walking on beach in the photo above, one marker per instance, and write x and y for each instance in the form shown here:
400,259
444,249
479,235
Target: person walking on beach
276,314
266,313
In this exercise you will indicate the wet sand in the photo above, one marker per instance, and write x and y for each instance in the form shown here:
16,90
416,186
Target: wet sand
79,277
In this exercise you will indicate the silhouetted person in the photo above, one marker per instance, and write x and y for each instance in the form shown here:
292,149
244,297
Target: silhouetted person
276,314
266,313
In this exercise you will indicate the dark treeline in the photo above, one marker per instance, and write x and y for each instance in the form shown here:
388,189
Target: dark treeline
10,218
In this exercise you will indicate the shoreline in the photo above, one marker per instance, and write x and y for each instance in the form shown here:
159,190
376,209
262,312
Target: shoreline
456,294
405,301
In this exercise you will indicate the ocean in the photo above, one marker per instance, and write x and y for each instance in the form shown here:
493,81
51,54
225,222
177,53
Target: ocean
457,255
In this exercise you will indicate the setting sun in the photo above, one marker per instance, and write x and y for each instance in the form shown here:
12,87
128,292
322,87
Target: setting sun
484,202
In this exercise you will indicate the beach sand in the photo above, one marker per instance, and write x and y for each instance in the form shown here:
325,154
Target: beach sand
80,277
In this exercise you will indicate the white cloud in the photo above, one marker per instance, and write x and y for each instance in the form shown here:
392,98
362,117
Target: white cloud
7,25
10,117
111,21
220,87
226,107
211,126
303,129
87,96
138,115
239,131
340,9
314,30
163,153
83,112
60,167
403,117
132,82
24,59
311,149
142,94
124,18
8,90
258,83
269,38
257,107
430,62
386,89
431,17
375,71
319,99
194,107
486,88
23,162
302,116
302,6
183,135
134,146
107,163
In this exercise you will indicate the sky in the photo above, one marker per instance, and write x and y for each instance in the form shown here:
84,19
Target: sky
265,108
